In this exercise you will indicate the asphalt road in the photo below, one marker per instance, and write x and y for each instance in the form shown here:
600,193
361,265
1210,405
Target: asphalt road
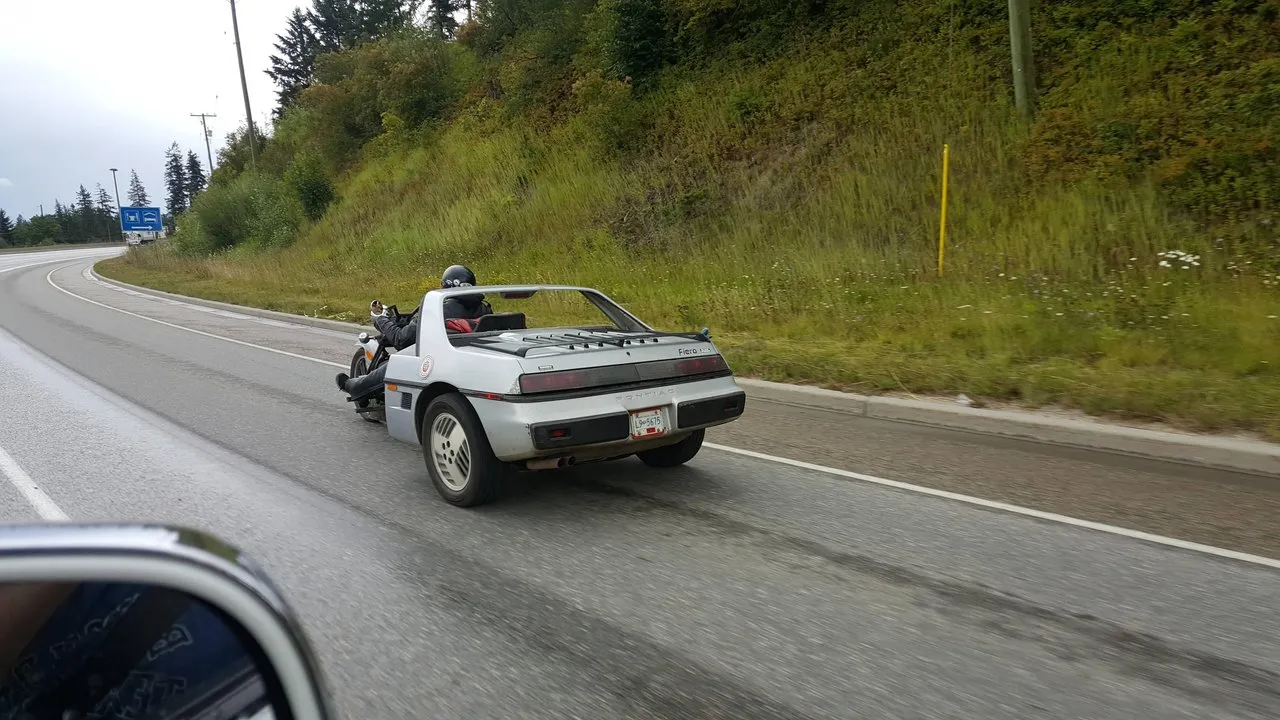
732,588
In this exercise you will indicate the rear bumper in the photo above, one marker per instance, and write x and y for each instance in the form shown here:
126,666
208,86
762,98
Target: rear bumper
600,425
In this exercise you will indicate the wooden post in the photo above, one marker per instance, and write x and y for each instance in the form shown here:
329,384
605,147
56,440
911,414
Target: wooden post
942,229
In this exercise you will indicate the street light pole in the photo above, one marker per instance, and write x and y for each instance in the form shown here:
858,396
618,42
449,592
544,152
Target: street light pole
244,87
116,185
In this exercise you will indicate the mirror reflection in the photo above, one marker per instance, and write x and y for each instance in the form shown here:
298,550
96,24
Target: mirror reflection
124,651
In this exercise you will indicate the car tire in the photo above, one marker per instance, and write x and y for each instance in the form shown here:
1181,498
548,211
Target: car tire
675,454
456,450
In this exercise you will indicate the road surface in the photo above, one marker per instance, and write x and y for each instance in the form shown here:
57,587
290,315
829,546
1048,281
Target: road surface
736,587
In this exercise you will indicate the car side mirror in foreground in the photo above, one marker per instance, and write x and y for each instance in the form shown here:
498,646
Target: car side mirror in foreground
146,622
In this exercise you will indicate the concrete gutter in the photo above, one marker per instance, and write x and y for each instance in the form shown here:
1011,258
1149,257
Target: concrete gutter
1239,454
1225,453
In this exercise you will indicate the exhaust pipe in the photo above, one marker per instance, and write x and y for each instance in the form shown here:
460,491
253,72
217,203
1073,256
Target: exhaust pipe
550,463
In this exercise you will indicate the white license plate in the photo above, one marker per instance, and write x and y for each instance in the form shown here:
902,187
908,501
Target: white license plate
648,424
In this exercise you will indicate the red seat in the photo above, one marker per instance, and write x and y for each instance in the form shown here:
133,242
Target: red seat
458,325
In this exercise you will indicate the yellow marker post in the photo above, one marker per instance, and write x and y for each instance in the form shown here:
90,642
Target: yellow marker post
942,230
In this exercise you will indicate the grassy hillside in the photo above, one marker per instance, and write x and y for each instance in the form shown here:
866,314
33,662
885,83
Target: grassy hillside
772,170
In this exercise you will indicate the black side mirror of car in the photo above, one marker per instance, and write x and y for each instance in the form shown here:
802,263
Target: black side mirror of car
146,621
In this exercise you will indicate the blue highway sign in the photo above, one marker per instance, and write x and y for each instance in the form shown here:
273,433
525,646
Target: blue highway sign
141,219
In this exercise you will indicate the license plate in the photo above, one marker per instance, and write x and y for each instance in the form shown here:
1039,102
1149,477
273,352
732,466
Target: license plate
648,424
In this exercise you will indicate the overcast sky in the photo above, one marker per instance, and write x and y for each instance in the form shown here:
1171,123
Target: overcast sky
87,85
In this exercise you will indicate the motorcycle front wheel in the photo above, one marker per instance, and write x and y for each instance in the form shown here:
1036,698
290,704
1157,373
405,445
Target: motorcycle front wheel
360,366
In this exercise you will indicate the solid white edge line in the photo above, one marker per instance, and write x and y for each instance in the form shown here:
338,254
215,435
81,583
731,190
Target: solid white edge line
1005,507
46,261
49,278
848,474
17,477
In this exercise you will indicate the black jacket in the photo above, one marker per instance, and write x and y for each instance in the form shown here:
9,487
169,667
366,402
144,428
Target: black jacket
464,307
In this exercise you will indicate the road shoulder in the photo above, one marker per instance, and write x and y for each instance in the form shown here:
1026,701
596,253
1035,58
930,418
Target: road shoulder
1238,454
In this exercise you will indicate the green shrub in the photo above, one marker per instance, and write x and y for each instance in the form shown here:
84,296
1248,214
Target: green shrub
251,209
631,37
411,75
310,184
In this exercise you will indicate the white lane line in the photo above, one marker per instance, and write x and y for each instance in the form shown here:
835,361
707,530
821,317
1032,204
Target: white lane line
994,505
19,478
49,278
46,261
850,475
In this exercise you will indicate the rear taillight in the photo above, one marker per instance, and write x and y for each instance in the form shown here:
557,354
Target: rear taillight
701,365
553,381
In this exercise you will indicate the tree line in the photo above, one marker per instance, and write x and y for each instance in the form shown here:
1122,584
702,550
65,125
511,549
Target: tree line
91,216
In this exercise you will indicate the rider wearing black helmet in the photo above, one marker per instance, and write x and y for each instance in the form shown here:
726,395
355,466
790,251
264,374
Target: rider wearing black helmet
462,307
457,307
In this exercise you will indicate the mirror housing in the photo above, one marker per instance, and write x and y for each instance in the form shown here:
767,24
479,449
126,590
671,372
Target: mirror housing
195,567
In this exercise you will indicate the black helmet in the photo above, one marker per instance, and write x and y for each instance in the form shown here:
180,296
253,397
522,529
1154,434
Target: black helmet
457,276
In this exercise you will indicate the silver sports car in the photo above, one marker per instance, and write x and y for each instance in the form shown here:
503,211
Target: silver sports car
509,397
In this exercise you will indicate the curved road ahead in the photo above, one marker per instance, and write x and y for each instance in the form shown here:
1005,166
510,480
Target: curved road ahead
735,587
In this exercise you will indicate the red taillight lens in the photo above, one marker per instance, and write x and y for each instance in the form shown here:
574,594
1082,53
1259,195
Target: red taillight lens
701,365
553,381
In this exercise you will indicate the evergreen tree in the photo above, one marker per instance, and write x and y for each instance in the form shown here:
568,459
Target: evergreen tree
195,176
137,194
294,68
105,203
84,225
175,180
440,18
379,17
106,212
63,219
336,24
6,229
330,26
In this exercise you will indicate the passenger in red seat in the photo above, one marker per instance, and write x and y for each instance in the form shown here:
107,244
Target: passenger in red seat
460,311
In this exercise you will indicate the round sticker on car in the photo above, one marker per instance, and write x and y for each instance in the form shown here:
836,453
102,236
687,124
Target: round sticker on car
427,364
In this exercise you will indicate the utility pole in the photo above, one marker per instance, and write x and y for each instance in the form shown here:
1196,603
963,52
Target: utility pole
244,86
1024,71
116,185
205,126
